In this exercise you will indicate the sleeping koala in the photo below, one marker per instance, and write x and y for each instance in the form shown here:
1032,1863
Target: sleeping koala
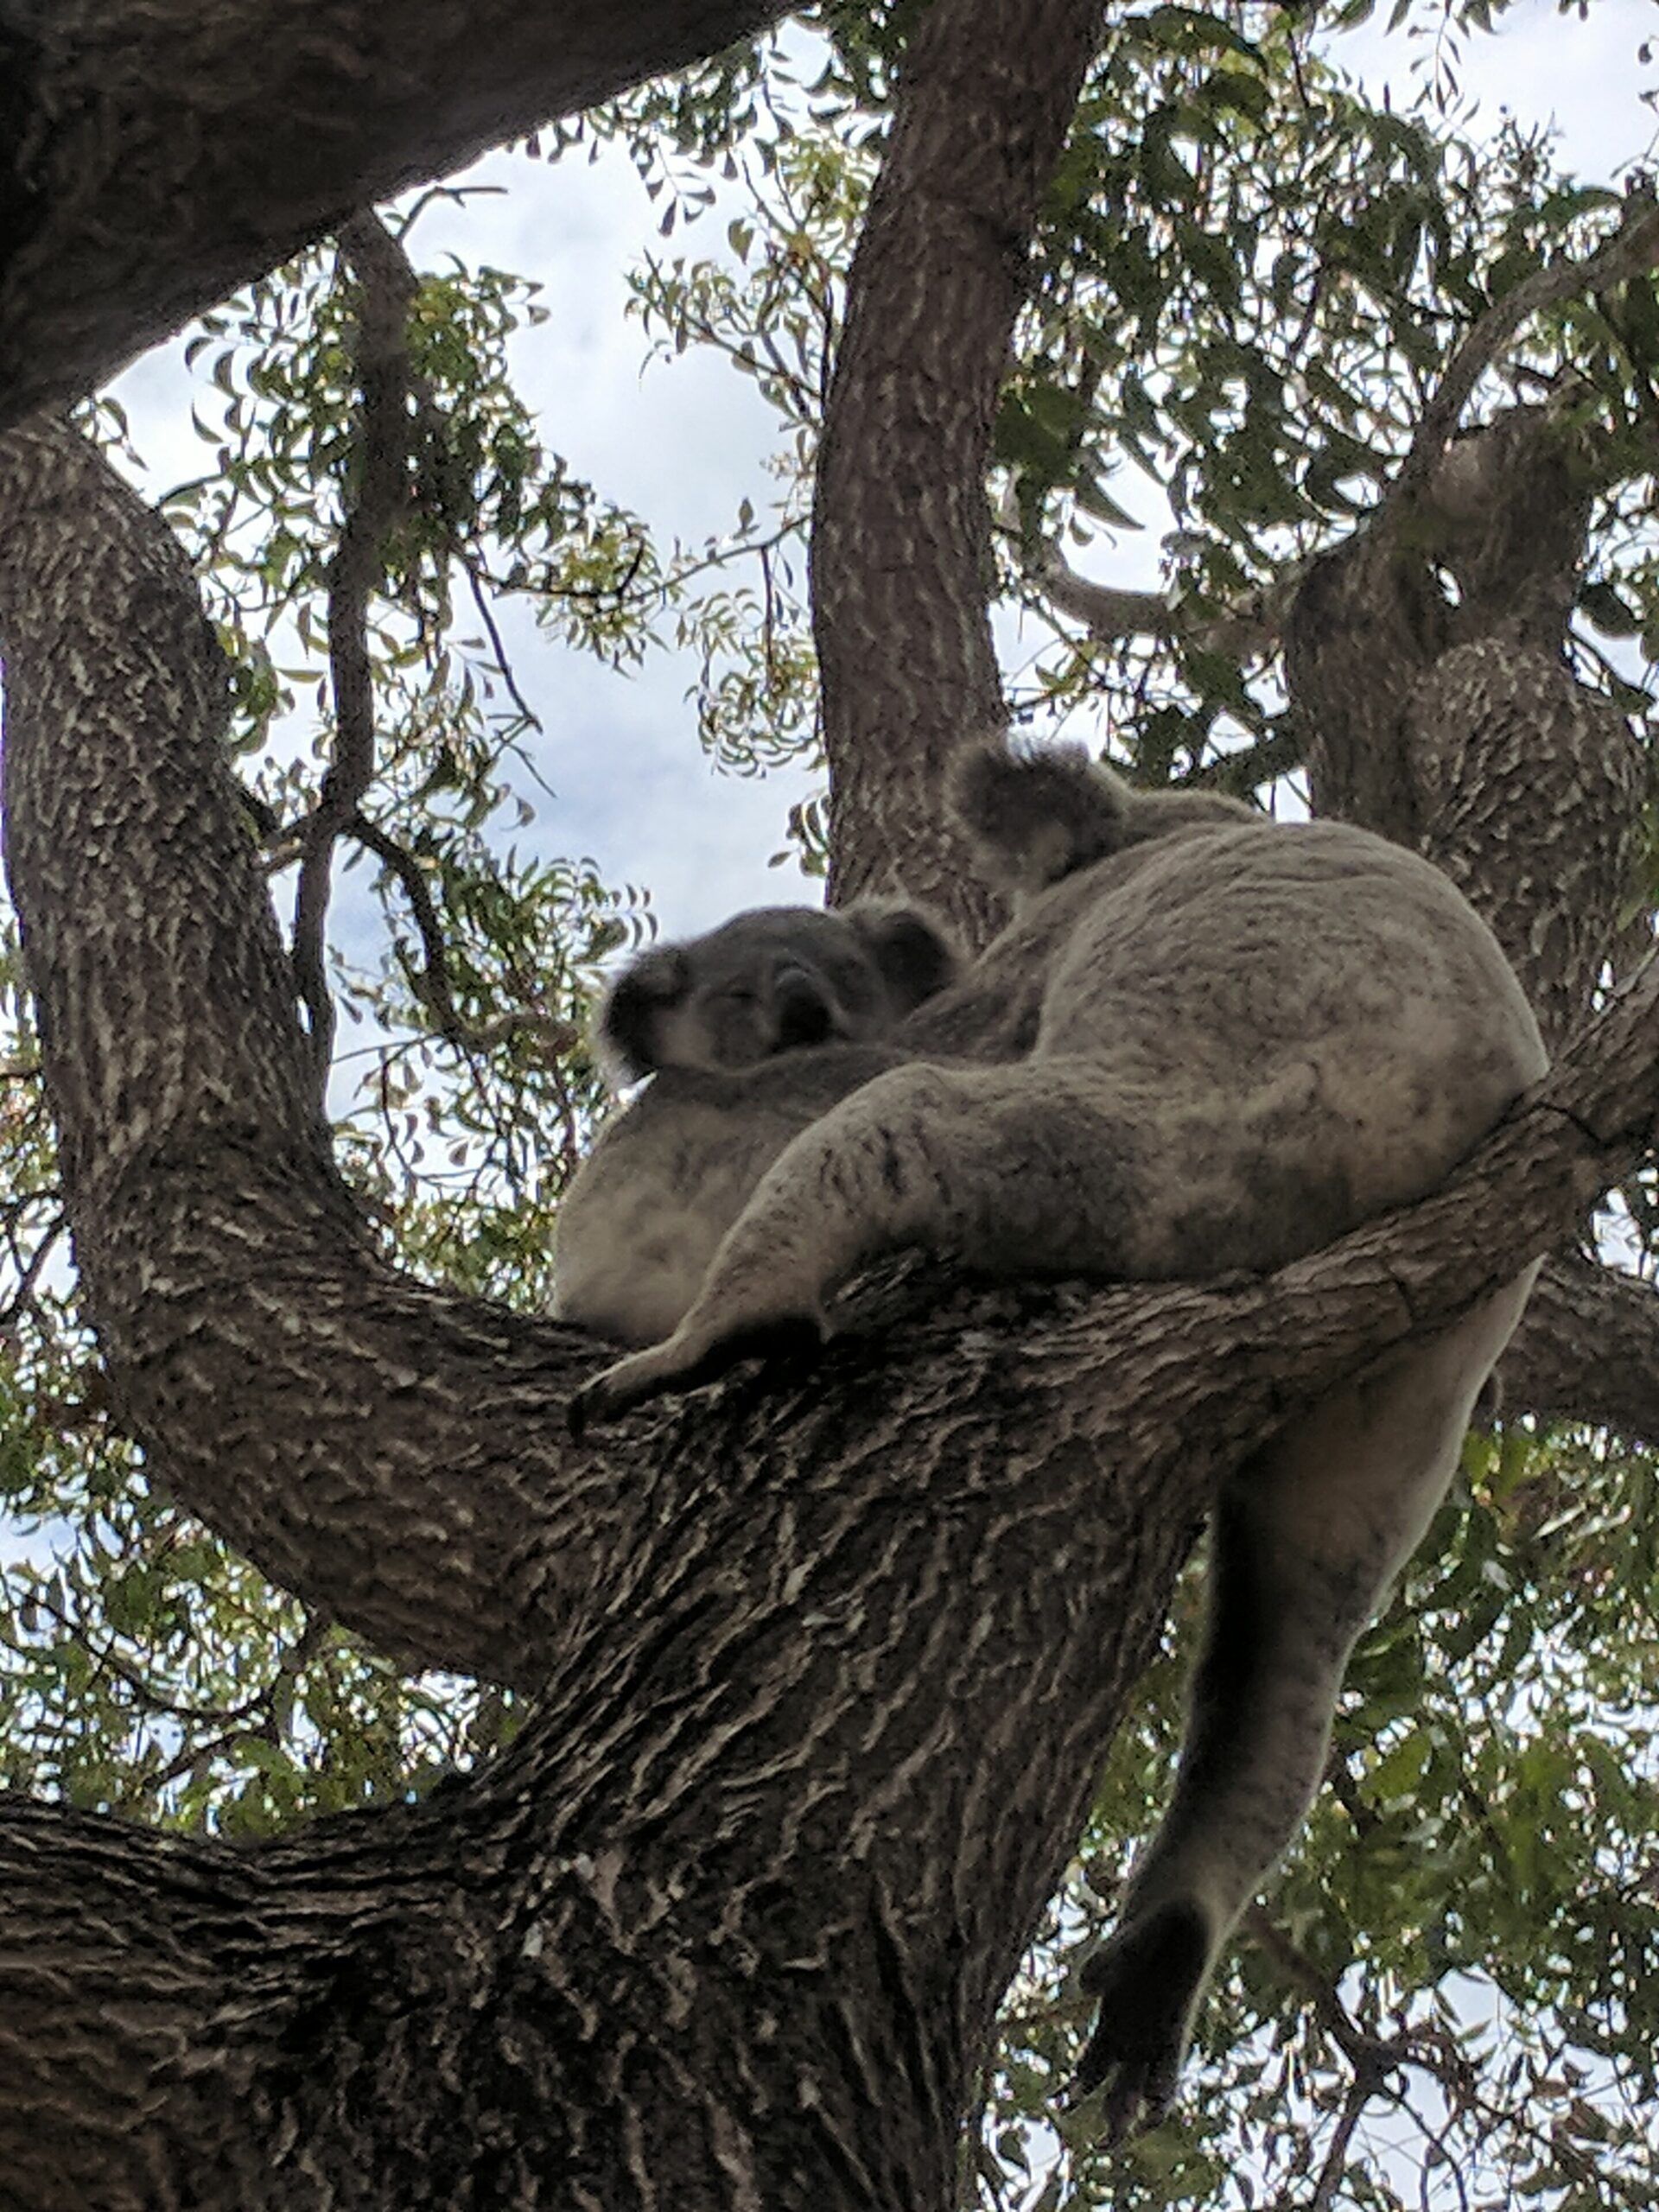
773,980
750,1033
1205,1042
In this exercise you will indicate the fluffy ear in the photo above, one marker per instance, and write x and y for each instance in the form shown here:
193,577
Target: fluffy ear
628,1041
916,956
1037,816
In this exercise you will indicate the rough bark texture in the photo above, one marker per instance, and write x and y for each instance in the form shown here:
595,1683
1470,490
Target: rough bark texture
825,1672
902,548
1460,729
825,1677
155,154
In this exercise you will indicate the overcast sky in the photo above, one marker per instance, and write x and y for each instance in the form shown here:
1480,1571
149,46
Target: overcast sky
683,443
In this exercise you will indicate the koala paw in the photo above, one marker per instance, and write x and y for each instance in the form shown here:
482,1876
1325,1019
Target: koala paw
1147,1980
688,1358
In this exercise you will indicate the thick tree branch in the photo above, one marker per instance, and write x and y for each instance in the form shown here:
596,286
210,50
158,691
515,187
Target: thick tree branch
1587,1350
824,1676
427,1497
155,154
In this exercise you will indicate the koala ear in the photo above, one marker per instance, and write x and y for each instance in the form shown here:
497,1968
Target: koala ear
627,1038
915,954
1038,817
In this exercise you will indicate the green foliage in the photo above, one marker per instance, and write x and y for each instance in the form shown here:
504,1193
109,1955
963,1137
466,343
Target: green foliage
1471,1912
1246,281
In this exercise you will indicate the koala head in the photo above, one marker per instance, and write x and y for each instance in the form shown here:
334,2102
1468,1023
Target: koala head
770,981
1039,815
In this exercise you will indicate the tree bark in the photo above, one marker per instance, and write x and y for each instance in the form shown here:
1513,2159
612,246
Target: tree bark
156,154
824,1681
1460,729
902,565
825,1672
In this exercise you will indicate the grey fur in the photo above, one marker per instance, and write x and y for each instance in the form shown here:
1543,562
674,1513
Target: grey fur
1205,1042
777,980
1038,817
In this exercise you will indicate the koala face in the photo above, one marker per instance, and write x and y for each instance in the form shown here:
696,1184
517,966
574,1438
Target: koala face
773,980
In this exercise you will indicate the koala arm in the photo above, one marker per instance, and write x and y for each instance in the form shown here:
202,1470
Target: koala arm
1056,1166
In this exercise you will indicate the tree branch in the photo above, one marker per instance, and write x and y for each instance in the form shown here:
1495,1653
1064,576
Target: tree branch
428,1499
375,492
155,154
688,1602
1587,1350
1632,248
901,542
430,982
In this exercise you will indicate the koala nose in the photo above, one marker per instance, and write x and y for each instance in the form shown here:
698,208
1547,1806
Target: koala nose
798,1009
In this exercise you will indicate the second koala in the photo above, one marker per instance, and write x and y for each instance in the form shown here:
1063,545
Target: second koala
749,1033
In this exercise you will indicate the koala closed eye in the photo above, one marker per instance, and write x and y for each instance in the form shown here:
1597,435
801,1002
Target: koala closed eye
772,981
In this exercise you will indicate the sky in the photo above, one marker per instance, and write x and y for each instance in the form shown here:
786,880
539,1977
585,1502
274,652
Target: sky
683,442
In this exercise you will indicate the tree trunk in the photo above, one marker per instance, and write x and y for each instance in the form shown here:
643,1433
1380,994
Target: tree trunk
824,1670
1461,730
901,544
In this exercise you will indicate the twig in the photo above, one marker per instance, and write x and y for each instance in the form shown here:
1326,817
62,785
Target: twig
1372,2057
386,284
1240,773
498,645
431,985
22,1298
1633,248
1336,2159
105,1660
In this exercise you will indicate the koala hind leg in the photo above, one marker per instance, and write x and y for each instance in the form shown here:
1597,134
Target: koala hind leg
1306,1538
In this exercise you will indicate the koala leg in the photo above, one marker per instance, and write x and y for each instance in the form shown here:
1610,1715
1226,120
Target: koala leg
1035,1169
1307,1537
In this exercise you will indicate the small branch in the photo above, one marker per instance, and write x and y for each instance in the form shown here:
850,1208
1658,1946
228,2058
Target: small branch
1111,612
1106,611
431,984
386,283
498,645
105,1660
22,1298
1372,2057
1336,2159
1240,774
1634,247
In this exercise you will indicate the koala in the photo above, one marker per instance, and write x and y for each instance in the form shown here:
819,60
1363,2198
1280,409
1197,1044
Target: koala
749,1033
1205,1042
773,980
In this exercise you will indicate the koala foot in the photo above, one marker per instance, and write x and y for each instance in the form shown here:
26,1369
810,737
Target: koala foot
1147,1980
685,1360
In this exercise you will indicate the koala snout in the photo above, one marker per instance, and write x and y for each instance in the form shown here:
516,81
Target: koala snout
800,1012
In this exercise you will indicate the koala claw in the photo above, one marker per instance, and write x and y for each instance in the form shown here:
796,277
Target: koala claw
1148,1980
684,1361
